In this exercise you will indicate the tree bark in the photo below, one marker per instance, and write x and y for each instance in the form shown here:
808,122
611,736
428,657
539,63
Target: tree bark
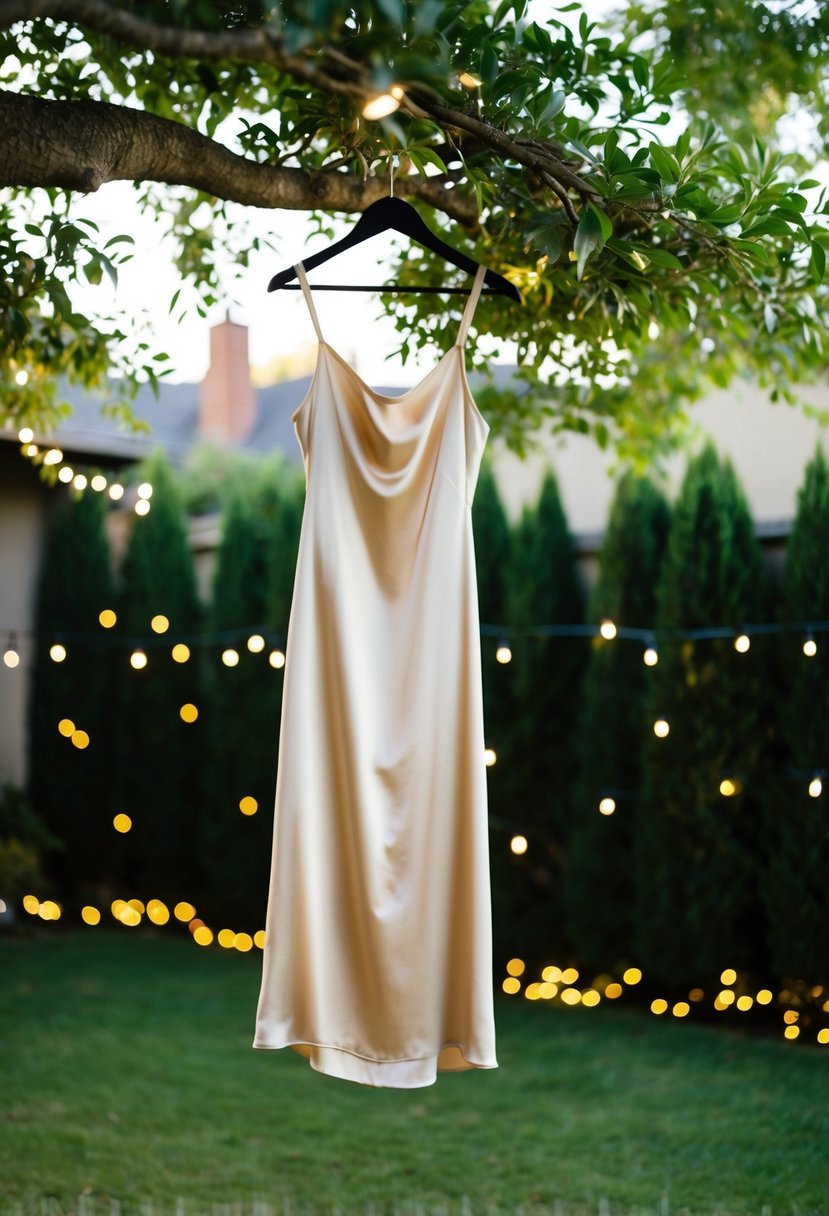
80,145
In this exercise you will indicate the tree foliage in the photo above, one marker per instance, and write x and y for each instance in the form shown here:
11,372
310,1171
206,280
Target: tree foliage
659,236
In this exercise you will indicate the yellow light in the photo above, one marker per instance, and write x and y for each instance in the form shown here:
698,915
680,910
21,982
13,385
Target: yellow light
613,991
569,975
469,81
383,104
226,938
276,658
57,652
80,738
158,912
532,992
248,805
607,806
742,643
21,377
11,657
632,975
142,507
32,449
31,903
244,942
138,904
188,712
180,652
203,936
551,974
727,787
607,629
791,1016
791,1032
728,976
98,482
489,756
823,1036
681,1009
511,985
90,915
184,911
256,643
66,473
138,659
764,997
230,657
590,997
547,990
744,1002
26,434
696,994
516,966
503,654
116,491
518,844
259,939
107,618
659,1006
815,787
650,657
122,823
571,996
725,998
53,456
661,728
79,481
145,490
810,648
160,623
49,910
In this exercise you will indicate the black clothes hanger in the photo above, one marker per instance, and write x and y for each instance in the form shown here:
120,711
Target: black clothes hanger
394,212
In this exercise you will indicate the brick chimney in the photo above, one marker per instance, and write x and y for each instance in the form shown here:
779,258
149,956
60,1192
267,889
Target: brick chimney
227,402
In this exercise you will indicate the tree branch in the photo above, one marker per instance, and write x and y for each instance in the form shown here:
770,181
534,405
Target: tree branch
80,145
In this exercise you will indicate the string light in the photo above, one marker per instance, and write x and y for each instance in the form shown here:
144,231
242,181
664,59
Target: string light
810,647
504,653
11,655
26,434
651,656
607,629
661,728
383,104
815,787
742,643
518,845
607,806
489,756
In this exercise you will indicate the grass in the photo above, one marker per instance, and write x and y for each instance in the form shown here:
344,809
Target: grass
128,1078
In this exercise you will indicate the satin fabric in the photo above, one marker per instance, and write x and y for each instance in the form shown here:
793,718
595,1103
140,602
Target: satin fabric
377,963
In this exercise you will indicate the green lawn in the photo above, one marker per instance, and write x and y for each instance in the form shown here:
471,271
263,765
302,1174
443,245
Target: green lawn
127,1072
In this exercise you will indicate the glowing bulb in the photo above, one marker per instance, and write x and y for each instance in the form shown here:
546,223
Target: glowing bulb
160,623
138,659
815,787
122,823
26,434
742,643
661,728
21,377
66,473
469,81
607,629
32,449
142,507
230,657
810,648
503,654
188,712
632,975
79,481
651,656
53,456
489,756
98,482
383,104
276,658
10,656
248,805
116,491
180,652
90,915
80,738
607,806
516,966
256,643
145,490
107,618
727,787
518,844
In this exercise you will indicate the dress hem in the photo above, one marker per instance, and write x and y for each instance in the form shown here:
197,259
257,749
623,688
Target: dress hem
350,1065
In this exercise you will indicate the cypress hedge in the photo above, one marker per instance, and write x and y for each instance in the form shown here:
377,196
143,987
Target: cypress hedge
599,878
696,850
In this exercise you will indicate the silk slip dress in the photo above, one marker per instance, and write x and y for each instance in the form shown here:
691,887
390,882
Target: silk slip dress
377,963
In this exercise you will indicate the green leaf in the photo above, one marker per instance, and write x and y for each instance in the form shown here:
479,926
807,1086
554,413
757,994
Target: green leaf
661,257
817,263
664,162
605,223
588,237
625,250
393,10
488,63
554,106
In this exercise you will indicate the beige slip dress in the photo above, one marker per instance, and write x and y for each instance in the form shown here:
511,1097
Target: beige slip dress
377,962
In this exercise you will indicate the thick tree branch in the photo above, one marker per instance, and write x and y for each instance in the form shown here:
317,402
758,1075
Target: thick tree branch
79,145
327,69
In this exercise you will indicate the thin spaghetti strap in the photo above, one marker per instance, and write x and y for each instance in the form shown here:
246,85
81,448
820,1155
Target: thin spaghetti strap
470,304
306,291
